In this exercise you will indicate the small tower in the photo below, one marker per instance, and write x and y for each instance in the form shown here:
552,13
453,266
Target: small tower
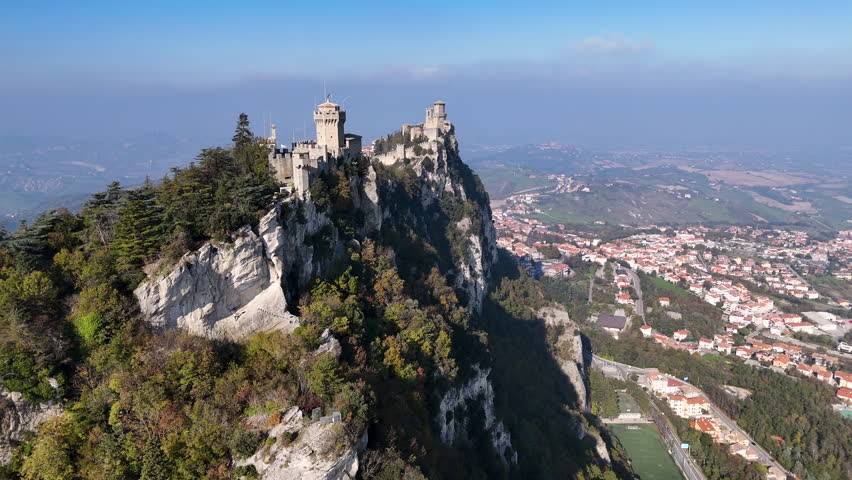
273,136
436,116
329,119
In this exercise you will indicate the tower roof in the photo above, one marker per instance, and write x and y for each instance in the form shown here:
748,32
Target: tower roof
328,103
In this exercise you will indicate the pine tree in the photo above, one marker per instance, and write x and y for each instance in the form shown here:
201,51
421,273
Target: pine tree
29,242
188,201
139,231
102,212
242,136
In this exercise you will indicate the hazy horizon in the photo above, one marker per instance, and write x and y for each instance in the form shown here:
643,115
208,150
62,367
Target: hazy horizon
768,75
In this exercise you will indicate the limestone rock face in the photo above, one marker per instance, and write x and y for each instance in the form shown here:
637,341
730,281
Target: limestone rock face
442,172
316,454
219,291
18,416
231,290
478,388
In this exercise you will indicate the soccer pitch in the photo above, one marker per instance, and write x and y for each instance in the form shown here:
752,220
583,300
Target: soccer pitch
648,455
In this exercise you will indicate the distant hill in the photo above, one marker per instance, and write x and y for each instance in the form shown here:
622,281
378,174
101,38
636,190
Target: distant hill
548,157
41,173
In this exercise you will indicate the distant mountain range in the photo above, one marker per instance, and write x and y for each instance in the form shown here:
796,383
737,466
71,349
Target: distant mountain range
40,173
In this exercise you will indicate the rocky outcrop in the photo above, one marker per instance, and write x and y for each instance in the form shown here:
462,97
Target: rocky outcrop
219,291
239,288
571,359
569,351
601,449
319,451
231,290
453,426
441,172
18,416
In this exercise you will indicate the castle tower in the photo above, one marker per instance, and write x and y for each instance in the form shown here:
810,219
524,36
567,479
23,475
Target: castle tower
436,116
329,119
440,111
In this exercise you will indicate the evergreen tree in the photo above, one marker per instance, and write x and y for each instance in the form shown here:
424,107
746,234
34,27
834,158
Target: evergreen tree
242,136
139,231
102,211
29,243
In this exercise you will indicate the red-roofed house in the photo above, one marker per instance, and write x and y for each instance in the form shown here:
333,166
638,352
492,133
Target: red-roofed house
801,327
664,302
781,361
557,271
845,394
844,379
681,335
658,382
678,405
825,376
707,425
705,344
696,406
646,330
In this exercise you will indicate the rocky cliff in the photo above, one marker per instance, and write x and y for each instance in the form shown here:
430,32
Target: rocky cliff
572,361
477,389
315,454
230,290
18,416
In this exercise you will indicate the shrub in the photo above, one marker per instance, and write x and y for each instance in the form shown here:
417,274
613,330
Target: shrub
88,327
246,443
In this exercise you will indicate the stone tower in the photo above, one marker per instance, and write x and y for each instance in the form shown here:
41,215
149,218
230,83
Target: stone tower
436,116
272,140
330,119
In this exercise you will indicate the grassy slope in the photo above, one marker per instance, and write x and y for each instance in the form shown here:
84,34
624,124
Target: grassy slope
502,181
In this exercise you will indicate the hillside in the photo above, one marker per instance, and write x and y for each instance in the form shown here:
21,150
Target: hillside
201,326
668,195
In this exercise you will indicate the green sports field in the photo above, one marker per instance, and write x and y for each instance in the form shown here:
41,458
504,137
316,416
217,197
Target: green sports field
649,456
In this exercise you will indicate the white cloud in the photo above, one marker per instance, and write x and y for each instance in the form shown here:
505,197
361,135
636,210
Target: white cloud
613,43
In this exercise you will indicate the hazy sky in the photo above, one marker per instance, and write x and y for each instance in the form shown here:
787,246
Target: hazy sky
600,74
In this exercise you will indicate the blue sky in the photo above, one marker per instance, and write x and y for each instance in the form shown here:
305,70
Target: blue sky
643,73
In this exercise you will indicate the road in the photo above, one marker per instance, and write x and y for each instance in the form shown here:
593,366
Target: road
591,285
623,370
637,288
680,455
800,343
598,274
763,456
